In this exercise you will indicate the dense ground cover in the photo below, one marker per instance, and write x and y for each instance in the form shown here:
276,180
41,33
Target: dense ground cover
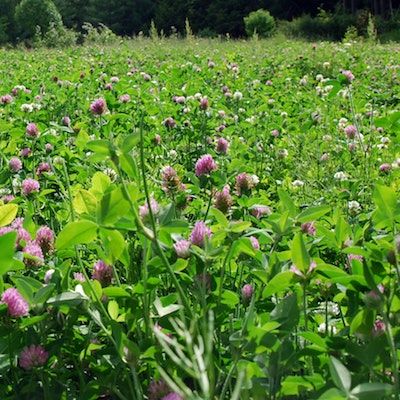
200,220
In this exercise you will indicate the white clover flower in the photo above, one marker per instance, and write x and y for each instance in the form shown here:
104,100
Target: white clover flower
283,153
340,176
284,114
255,179
385,140
354,207
173,153
238,95
319,77
111,174
298,183
322,329
327,138
326,64
27,108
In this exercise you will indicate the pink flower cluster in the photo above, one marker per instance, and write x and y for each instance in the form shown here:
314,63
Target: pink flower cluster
205,165
33,356
17,305
102,273
199,234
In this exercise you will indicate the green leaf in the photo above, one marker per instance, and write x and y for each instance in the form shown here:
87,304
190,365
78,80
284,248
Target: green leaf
279,283
113,242
100,147
78,232
129,166
372,391
85,202
32,320
333,394
385,199
115,291
43,294
286,312
7,246
300,256
130,142
230,298
220,217
112,207
340,375
8,212
286,203
239,226
313,213
113,309
67,298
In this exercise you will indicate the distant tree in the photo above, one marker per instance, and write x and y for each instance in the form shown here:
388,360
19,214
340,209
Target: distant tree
7,22
260,22
32,13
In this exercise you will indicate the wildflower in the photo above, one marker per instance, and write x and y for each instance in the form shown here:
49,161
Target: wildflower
157,140
199,234
247,292
205,165
48,147
298,183
43,167
354,207
33,255
182,248
238,96
26,152
324,157
348,75
15,164
48,275
98,107
78,276
260,211
172,396
17,305
144,209
340,176
350,131
157,389
45,239
6,99
254,243
30,186
244,183
308,228
169,123
125,98
102,273
32,130
170,180
379,328
204,103
223,200
322,329
66,121
222,146
385,168
33,356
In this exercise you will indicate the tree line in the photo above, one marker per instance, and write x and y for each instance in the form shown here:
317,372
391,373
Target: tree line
207,17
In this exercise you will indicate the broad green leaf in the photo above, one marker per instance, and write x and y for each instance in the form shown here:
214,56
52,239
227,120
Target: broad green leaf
7,250
78,232
372,391
313,213
85,202
112,207
8,212
286,312
230,298
300,256
101,147
115,291
113,309
340,375
279,283
385,199
333,394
